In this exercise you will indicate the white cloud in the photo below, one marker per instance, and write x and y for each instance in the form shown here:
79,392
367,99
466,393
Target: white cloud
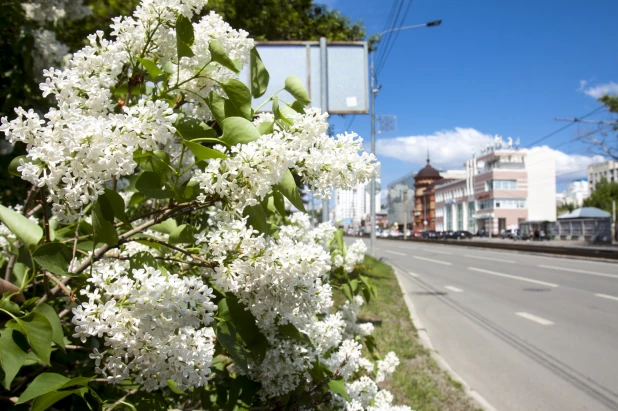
598,91
570,166
447,148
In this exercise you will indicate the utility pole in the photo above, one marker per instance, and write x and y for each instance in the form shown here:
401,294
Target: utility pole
374,91
405,211
372,185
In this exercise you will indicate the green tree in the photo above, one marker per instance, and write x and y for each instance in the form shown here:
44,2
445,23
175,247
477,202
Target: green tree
604,193
607,143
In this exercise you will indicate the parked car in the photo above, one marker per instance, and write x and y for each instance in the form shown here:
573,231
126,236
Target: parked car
395,234
508,234
447,234
417,234
460,235
430,234
382,233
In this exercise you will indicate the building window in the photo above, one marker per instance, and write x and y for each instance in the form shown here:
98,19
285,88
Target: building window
460,216
449,217
484,204
471,212
509,203
500,185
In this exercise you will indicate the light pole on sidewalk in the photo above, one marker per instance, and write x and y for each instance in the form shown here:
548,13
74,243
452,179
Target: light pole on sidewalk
373,89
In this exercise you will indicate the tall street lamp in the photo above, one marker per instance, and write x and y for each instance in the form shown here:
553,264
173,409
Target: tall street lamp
374,91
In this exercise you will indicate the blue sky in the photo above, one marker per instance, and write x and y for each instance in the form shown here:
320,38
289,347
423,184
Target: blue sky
492,67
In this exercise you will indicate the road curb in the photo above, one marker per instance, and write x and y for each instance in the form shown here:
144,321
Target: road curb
423,336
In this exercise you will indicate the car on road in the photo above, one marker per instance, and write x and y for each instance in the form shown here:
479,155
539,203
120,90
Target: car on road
417,234
512,234
459,235
429,234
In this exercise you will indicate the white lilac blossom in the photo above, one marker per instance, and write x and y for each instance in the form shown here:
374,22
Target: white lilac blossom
252,169
84,142
386,366
43,11
47,52
349,312
154,325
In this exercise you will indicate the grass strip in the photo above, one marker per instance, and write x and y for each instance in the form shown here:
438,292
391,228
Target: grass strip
418,381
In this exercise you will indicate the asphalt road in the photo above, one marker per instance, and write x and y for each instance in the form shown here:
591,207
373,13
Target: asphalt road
526,331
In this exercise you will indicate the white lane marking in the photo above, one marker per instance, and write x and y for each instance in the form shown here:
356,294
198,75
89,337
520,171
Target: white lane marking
610,297
394,252
536,319
413,274
429,250
513,277
489,258
574,270
432,260
453,289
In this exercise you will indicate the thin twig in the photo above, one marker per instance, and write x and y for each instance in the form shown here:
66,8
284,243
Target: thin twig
9,267
123,238
63,287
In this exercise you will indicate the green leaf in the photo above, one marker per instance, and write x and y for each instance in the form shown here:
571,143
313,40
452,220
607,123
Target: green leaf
117,204
216,104
338,387
247,327
290,331
16,162
259,74
294,86
257,218
182,234
218,54
153,70
299,106
20,271
347,291
279,202
42,384
238,130
165,227
149,184
226,335
141,260
203,153
13,355
38,332
184,37
238,103
48,382
191,127
184,30
54,321
172,385
156,161
288,188
53,257
103,222
45,401
266,127
28,232
277,111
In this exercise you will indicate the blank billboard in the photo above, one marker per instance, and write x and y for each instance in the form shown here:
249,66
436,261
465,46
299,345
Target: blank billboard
347,69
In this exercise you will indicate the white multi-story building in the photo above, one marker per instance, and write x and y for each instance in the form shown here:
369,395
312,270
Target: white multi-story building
607,170
353,206
502,189
575,194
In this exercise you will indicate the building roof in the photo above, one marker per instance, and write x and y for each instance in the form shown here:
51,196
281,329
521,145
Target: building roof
427,172
585,212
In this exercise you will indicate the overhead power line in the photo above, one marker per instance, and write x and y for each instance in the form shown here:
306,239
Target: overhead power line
564,127
387,53
391,24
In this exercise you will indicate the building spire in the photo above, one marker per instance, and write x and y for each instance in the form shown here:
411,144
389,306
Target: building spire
427,155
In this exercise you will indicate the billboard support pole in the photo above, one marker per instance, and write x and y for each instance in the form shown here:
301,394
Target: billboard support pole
324,104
